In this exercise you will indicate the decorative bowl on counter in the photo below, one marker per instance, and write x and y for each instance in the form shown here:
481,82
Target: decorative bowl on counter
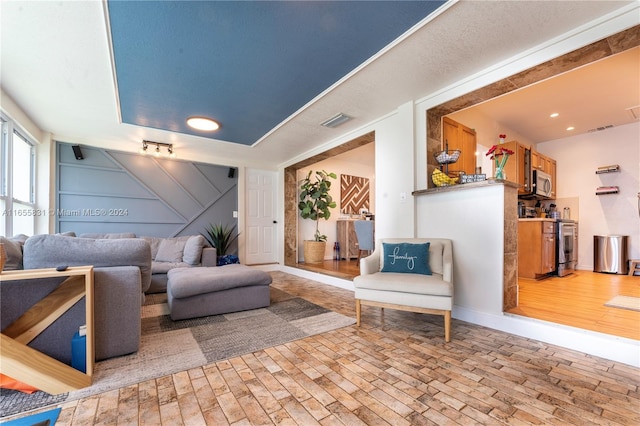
447,156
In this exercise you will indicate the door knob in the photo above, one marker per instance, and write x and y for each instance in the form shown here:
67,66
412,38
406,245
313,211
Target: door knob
275,221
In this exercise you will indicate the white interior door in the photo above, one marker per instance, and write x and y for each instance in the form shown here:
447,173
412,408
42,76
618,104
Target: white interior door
261,222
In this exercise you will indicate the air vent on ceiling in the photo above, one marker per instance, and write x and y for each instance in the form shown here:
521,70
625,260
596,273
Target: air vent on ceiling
601,128
634,112
336,120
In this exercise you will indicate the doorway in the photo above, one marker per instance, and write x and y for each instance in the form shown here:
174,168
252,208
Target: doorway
291,201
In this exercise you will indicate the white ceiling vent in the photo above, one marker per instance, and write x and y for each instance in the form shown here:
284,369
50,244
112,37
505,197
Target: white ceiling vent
634,112
336,120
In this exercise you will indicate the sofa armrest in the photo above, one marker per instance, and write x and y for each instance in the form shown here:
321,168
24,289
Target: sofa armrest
370,264
209,257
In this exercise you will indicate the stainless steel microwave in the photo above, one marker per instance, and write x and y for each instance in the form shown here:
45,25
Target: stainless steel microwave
542,184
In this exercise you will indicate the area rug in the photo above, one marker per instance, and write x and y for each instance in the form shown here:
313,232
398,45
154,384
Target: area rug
170,346
625,302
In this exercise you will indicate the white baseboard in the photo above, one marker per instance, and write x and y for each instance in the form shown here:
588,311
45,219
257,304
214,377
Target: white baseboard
321,278
619,349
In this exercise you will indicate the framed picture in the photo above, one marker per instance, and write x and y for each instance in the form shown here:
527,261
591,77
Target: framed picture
354,194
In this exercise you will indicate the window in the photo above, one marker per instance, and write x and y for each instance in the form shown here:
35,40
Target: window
17,178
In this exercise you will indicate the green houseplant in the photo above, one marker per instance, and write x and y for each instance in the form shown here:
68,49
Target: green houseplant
220,237
315,204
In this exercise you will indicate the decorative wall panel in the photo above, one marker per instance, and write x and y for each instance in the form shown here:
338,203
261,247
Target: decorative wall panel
354,194
114,191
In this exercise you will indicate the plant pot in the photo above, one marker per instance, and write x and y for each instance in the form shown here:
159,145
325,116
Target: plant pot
314,251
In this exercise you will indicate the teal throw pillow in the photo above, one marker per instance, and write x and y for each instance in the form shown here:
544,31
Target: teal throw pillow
406,258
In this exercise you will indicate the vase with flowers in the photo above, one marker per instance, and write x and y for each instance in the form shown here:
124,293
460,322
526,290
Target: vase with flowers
500,155
502,138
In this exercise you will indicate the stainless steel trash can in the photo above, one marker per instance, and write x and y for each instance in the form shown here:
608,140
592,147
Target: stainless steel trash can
610,254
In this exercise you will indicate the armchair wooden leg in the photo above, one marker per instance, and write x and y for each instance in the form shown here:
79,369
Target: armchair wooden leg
447,326
358,312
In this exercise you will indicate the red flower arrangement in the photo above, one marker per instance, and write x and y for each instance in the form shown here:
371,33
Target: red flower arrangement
500,155
496,151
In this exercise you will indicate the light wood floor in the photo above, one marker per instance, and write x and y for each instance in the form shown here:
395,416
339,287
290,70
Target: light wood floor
394,369
576,300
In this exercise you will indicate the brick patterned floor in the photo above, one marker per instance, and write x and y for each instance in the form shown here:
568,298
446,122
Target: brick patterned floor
394,369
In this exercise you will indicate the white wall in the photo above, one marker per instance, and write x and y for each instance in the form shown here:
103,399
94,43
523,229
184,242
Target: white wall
474,220
577,159
395,171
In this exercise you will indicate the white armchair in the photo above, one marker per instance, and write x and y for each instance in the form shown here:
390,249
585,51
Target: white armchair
378,284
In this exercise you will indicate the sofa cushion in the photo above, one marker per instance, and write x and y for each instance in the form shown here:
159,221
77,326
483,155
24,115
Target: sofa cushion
164,267
405,283
406,258
13,249
171,250
154,243
193,250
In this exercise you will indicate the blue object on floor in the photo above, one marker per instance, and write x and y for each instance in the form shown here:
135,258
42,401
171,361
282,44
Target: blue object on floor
48,418
79,352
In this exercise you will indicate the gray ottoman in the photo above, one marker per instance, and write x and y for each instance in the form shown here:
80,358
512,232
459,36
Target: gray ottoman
202,291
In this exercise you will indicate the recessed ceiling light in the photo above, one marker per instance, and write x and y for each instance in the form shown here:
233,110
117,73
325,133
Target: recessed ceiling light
203,123
554,115
570,128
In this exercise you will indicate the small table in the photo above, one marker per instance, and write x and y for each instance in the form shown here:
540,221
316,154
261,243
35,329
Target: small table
30,366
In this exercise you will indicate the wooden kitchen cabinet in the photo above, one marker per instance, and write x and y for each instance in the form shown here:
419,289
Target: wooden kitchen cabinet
536,248
547,165
536,164
458,136
346,235
515,167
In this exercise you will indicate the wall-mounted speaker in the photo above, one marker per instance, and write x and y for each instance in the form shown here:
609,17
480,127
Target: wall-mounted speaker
77,152
232,172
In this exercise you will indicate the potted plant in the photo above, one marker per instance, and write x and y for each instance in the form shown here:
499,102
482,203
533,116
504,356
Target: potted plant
315,204
221,237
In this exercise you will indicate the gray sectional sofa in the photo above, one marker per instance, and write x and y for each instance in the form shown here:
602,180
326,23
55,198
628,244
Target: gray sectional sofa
177,252
169,253
122,272
125,269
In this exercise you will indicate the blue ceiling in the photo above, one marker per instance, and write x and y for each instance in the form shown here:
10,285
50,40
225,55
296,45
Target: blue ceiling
247,64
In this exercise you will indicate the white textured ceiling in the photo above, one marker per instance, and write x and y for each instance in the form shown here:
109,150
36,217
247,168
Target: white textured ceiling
590,98
56,65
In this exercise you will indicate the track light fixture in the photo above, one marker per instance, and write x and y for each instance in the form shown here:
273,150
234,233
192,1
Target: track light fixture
156,152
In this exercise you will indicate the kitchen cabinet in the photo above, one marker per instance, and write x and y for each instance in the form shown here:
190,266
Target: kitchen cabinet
515,168
536,248
458,136
346,236
547,165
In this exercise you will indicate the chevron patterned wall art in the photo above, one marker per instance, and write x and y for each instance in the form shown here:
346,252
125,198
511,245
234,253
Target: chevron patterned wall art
354,194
